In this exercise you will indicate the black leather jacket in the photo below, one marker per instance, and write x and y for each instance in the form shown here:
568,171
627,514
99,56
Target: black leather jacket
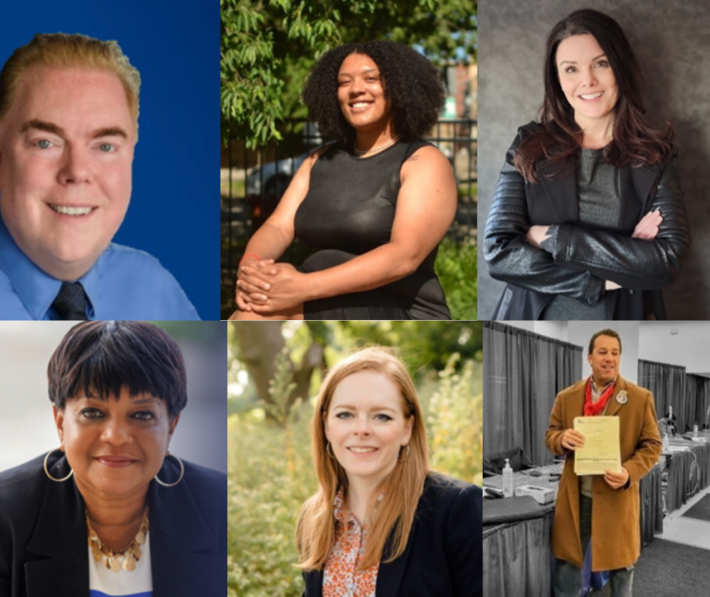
584,256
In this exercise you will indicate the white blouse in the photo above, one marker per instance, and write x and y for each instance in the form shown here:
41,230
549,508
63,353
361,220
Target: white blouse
136,583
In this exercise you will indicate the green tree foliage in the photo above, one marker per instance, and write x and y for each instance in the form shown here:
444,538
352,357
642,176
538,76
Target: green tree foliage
268,46
274,370
271,475
425,346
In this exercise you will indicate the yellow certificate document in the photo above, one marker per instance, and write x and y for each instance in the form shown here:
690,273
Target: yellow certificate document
601,450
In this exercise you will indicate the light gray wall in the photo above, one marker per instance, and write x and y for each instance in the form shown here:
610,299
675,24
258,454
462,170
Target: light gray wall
672,44
684,343
579,333
26,423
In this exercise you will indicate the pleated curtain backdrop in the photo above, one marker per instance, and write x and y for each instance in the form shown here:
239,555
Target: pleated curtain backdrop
667,383
522,374
698,390
703,405
691,399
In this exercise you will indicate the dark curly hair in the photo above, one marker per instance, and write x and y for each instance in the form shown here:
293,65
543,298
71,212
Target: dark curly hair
412,85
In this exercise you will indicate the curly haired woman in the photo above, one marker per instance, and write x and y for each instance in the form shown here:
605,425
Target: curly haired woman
374,204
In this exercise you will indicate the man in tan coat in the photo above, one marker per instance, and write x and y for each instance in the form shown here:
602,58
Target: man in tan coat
603,508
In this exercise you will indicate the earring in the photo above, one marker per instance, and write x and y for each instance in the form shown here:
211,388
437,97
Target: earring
47,472
329,450
182,472
406,454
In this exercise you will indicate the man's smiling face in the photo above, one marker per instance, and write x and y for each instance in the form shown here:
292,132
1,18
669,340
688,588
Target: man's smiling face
604,359
66,150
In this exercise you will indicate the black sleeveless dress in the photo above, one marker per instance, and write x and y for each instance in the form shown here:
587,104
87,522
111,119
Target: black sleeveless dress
349,210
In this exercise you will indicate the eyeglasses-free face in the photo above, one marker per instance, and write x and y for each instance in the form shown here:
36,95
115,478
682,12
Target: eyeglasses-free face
66,147
604,359
361,93
366,425
115,447
587,79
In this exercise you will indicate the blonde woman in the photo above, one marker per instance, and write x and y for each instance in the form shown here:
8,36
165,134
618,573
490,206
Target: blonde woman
381,522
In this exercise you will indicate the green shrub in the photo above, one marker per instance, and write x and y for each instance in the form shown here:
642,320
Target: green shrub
271,475
456,266
454,422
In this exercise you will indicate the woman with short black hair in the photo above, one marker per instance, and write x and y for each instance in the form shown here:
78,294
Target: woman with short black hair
587,221
375,204
111,511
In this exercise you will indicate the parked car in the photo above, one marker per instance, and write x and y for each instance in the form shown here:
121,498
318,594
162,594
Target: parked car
266,184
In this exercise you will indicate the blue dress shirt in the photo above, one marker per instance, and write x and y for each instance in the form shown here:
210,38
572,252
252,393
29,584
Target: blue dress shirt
124,283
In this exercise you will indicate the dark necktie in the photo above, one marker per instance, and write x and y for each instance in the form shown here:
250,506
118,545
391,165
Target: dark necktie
71,301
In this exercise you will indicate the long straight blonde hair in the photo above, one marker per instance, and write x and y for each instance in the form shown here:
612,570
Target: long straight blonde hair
315,532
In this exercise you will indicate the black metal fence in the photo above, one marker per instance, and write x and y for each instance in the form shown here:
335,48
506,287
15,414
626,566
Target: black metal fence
252,183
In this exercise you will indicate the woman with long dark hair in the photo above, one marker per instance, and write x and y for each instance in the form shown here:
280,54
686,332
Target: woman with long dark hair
587,221
374,204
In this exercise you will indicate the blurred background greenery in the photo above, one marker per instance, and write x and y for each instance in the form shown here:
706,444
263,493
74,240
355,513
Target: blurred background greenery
274,371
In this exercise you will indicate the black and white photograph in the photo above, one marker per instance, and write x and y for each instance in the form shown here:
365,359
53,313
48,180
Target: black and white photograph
596,458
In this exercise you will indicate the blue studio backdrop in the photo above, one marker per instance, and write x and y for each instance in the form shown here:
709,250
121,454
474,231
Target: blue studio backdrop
174,214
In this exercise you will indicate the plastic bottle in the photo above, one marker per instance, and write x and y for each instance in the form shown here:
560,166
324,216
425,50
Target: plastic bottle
666,444
507,479
695,431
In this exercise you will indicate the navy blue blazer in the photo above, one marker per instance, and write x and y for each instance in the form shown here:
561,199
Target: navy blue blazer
443,554
43,534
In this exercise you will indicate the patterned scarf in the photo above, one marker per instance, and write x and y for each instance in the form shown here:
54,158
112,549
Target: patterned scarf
592,409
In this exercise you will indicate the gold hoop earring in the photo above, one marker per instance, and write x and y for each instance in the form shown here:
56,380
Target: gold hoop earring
182,472
406,455
47,472
329,450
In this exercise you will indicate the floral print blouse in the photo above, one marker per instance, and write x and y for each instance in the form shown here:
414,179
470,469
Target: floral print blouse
340,576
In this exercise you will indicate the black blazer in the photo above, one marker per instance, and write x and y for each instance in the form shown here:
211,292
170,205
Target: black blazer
443,555
584,257
43,534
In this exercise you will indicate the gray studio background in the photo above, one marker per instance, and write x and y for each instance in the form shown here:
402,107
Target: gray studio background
672,44
26,422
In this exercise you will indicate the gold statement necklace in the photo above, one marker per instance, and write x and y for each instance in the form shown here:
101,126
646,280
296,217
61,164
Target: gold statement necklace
130,554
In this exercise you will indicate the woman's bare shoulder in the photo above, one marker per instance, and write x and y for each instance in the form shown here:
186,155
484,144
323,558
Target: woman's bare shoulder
427,157
426,161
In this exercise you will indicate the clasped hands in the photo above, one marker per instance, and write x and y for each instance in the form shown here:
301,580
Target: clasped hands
265,287
646,229
573,439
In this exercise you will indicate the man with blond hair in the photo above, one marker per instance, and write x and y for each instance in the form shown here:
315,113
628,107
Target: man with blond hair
68,129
